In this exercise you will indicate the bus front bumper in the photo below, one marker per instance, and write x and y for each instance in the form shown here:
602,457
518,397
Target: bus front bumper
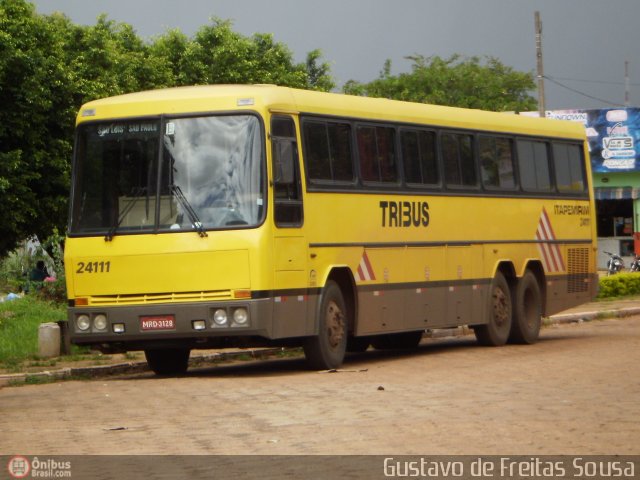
184,324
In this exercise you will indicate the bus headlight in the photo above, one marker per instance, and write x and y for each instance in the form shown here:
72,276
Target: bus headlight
220,317
240,317
100,322
83,322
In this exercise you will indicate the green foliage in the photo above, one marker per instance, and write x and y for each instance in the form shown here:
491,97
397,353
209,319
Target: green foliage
49,67
19,323
56,290
454,81
109,58
35,126
619,285
217,55
319,74
15,269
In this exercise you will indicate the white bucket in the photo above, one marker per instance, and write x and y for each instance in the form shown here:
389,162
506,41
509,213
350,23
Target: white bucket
48,340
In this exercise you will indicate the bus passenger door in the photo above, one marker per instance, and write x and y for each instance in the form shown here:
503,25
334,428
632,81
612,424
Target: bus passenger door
290,245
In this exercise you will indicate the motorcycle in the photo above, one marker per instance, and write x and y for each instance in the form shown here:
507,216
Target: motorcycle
635,264
615,263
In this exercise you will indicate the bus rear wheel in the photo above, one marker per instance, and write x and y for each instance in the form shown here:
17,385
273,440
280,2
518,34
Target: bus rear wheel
527,311
168,361
496,331
326,350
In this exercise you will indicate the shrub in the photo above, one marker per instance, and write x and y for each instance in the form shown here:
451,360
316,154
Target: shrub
15,269
620,285
54,291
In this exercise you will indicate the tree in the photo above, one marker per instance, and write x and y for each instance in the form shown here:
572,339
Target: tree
172,48
109,58
35,127
217,55
49,67
319,74
455,81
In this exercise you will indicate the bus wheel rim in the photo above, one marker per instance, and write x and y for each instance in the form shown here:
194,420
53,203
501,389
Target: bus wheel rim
335,324
500,306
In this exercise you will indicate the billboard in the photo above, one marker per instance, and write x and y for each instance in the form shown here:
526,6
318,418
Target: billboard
613,134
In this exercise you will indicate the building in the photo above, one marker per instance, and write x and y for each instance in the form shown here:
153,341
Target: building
614,144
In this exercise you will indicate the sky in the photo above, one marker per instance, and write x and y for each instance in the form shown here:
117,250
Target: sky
585,43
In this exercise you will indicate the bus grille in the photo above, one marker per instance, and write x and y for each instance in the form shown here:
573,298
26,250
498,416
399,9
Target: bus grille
578,270
151,298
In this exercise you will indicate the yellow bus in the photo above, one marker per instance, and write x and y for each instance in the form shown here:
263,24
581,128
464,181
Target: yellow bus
218,216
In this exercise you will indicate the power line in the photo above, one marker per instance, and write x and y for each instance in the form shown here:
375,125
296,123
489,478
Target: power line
613,104
603,82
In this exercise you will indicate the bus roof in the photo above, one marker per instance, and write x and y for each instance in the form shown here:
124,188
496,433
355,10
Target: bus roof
215,98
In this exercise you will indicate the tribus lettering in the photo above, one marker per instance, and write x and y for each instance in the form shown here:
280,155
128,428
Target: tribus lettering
404,214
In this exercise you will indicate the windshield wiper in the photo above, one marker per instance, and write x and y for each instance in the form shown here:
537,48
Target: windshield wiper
193,216
136,194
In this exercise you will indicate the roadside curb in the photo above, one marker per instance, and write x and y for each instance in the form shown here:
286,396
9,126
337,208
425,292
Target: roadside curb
593,315
127,367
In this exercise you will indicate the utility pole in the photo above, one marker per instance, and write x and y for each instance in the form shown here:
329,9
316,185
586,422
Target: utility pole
540,69
626,83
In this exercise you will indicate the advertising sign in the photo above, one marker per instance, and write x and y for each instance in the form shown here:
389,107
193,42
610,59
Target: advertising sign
613,134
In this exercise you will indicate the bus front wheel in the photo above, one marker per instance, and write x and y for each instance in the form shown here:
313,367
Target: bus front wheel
496,331
326,350
168,361
527,311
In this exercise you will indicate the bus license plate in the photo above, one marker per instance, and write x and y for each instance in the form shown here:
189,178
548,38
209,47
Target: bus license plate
158,322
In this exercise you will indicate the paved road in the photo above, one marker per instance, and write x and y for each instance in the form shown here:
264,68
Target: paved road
575,392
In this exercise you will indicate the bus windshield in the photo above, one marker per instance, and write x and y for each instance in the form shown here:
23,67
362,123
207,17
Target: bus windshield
195,173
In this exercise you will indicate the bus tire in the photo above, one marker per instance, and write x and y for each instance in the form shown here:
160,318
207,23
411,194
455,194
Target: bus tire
496,331
326,350
168,361
527,311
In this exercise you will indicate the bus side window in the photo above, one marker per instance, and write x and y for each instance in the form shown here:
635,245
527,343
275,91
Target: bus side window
533,164
420,157
327,151
496,163
458,159
287,190
377,154
567,160
283,166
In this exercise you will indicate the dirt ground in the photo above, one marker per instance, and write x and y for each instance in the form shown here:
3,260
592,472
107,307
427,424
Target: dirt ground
574,392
